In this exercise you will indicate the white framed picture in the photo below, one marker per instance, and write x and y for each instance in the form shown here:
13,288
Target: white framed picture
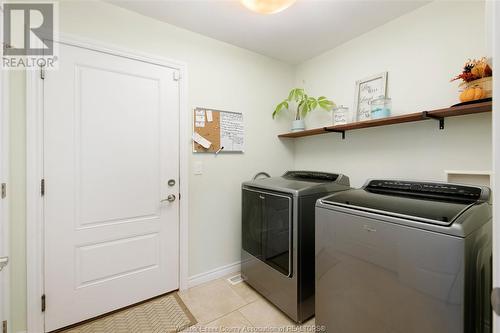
367,90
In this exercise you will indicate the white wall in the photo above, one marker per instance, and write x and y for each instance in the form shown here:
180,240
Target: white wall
421,51
221,76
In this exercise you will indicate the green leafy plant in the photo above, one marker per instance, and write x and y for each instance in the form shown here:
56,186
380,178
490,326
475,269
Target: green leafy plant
305,103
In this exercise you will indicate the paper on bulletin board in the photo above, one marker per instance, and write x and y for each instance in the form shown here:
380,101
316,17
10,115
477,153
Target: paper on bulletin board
201,140
231,131
199,118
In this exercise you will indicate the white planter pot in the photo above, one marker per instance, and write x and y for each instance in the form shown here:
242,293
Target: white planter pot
298,125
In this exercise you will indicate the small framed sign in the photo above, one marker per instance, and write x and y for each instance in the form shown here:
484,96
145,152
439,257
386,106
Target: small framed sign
367,90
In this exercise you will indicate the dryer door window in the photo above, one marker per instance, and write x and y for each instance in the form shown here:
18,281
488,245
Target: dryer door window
267,228
252,222
278,232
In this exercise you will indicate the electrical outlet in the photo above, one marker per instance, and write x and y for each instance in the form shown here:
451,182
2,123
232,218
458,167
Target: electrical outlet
198,168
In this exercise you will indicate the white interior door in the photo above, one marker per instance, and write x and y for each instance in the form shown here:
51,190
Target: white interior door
110,148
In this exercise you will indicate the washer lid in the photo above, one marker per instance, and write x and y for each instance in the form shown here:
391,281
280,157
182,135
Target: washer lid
302,182
436,203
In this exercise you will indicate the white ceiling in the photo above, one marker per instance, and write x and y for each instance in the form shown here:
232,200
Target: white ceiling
306,29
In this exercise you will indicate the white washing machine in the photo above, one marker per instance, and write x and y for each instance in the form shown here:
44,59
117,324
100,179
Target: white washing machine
404,257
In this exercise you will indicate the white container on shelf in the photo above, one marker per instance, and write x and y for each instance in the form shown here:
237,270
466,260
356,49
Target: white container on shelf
381,107
298,125
340,115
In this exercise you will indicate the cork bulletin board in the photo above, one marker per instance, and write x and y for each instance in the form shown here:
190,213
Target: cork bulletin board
216,131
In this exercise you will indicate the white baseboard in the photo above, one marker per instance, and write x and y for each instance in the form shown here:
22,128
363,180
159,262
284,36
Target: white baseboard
214,274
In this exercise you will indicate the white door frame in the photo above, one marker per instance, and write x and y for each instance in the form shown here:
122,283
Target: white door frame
4,178
34,173
4,203
496,155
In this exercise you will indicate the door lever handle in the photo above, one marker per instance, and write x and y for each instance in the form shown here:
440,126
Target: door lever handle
170,198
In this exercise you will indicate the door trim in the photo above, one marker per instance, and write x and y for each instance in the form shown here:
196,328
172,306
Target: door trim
34,172
5,178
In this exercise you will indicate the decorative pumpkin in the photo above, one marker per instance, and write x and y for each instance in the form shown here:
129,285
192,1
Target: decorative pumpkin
472,94
478,93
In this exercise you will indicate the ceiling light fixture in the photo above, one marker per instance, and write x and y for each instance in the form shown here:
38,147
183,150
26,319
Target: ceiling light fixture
267,6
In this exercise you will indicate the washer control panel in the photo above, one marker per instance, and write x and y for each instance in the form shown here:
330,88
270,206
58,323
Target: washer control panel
425,189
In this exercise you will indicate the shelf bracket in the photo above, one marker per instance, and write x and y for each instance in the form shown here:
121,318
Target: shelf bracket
335,131
426,115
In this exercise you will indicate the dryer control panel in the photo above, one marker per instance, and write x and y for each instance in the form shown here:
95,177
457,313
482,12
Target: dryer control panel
312,176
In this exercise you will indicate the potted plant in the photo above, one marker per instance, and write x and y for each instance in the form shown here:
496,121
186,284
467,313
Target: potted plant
305,104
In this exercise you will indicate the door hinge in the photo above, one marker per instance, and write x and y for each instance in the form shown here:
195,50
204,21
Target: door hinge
177,75
4,191
43,303
42,72
4,326
179,196
42,187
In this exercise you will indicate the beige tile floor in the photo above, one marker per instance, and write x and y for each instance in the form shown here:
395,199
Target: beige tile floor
219,306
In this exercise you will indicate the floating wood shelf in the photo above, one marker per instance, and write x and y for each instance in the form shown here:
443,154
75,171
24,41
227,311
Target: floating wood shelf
439,115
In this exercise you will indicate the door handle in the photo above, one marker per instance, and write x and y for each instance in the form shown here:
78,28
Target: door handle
170,198
3,262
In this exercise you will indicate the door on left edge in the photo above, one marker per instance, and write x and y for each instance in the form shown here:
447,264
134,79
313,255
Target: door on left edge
111,129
